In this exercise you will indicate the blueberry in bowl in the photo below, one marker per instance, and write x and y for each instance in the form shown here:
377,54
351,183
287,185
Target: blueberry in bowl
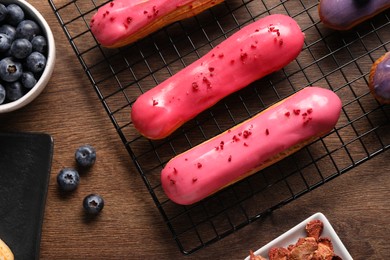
27,54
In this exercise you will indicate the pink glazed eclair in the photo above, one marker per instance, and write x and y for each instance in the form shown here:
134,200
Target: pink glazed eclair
256,50
266,138
121,22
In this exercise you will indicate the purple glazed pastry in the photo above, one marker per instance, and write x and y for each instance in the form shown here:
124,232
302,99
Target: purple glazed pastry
345,14
380,79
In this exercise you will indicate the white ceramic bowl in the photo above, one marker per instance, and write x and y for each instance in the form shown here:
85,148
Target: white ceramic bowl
33,14
292,236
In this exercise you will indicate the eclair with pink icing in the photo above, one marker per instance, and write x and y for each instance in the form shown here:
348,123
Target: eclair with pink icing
345,14
121,22
253,52
264,139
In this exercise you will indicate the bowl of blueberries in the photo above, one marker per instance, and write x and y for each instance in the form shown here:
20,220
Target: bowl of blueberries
27,54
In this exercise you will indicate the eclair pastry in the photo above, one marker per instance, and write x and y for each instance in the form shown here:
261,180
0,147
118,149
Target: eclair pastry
345,14
256,50
264,139
121,22
379,79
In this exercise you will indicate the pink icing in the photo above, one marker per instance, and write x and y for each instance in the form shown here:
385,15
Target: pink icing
256,50
218,162
119,19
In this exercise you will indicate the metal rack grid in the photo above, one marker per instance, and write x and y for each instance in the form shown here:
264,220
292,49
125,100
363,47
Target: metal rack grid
339,61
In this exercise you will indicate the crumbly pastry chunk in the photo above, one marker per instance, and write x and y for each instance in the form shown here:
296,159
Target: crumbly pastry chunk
279,253
314,228
5,251
252,256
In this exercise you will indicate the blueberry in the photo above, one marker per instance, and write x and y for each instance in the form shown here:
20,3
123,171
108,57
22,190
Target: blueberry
85,155
5,42
28,80
21,48
2,94
3,12
27,29
36,62
8,30
39,44
10,70
93,204
68,179
14,90
15,14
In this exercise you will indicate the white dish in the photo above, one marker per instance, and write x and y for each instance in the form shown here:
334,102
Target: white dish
292,236
34,14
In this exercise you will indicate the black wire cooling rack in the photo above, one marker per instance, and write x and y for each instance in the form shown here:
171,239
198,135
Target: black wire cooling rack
339,61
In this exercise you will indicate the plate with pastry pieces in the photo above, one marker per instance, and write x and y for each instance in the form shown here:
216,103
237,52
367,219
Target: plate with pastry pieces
313,238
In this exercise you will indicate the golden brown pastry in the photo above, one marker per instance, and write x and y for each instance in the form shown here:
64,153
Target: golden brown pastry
5,251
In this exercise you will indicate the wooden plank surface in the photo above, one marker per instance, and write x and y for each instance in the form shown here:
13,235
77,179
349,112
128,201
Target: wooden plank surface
130,226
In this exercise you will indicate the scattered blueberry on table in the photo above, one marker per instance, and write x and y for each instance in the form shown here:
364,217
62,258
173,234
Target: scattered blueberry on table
93,204
23,52
68,179
85,155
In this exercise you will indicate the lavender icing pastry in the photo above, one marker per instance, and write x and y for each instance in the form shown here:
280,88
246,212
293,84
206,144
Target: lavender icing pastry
345,14
380,79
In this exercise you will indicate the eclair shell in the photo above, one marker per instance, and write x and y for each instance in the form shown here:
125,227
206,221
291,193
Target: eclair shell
254,51
251,146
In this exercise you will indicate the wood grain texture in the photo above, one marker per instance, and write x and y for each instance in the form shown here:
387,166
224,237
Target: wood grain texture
130,226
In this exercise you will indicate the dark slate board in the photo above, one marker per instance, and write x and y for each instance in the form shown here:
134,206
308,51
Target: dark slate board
25,163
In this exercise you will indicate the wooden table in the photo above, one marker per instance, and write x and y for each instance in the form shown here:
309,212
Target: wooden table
130,226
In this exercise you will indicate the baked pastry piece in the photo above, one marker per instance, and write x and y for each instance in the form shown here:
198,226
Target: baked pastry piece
345,14
256,50
264,139
313,246
5,251
122,22
379,79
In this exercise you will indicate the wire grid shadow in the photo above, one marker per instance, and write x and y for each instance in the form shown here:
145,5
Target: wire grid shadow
339,61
